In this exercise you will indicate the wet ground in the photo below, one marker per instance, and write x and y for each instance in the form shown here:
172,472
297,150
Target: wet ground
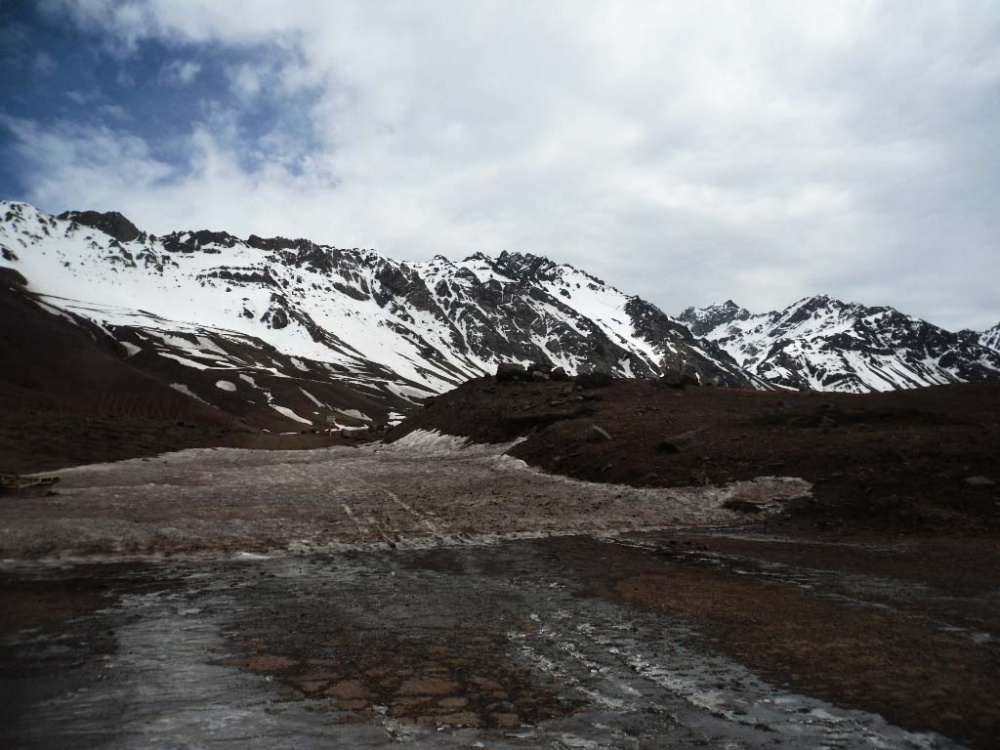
463,600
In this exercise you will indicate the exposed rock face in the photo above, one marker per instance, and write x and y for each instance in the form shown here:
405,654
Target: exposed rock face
822,343
699,359
990,338
390,331
509,372
701,321
111,223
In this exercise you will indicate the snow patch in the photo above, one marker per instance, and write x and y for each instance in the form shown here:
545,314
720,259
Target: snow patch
285,411
181,388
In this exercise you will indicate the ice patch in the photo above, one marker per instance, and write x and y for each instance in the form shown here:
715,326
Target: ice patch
225,385
285,411
312,398
184,361
355,414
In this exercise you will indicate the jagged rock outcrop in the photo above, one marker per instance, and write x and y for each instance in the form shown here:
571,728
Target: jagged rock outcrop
111,223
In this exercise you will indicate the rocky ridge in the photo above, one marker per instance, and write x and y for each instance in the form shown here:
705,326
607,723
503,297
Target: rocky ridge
825,344
268,322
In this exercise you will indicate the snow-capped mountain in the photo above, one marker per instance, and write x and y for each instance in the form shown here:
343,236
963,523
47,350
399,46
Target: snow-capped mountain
829,345
990,338
305,332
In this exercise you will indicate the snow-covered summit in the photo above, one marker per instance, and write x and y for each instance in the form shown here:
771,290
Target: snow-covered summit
706,319
399,329
827,344
990,338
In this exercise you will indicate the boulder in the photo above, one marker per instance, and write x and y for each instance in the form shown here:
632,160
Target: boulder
510,372
538,376
677,443
594,380
979,481
558,374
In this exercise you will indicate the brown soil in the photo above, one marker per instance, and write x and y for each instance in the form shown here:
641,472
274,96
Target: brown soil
48,440
925,460
865,656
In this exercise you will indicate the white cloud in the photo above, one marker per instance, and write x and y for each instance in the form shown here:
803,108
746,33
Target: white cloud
180,72
685,151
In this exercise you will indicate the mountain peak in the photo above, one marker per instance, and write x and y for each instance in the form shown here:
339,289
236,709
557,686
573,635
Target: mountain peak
990,338
701,321
111,223
823,343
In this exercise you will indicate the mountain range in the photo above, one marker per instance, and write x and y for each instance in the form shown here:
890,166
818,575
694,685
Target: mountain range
828,345
285,333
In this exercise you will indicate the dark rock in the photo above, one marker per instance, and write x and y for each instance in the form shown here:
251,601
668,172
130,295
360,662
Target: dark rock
538,376
510,372
595,379
679,374
741,506
677,443
558,374
279,319
11,278
979,481
111,223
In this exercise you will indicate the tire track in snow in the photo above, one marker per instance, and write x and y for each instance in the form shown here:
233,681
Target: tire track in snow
362,529
424,517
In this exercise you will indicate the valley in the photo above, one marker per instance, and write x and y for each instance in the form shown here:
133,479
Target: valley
750,572
297,509
443,594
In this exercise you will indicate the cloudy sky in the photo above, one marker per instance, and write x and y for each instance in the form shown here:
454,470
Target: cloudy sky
688,152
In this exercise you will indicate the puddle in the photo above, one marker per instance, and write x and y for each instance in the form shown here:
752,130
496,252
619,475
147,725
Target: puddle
370,650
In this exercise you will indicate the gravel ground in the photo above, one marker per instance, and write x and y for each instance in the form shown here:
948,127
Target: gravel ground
447,595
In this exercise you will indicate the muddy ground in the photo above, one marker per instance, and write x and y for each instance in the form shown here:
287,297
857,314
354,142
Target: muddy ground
446,596
46,440
562,642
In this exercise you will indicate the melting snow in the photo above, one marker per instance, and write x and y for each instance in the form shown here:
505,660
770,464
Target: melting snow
290,414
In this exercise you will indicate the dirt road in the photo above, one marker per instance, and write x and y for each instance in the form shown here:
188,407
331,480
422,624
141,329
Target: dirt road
443,596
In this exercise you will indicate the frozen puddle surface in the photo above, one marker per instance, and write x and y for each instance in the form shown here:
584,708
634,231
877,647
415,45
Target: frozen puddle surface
643,680
614,677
